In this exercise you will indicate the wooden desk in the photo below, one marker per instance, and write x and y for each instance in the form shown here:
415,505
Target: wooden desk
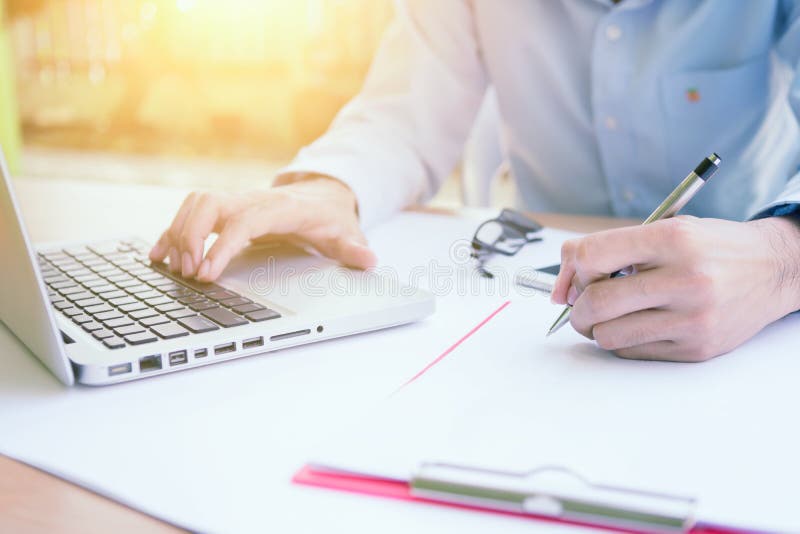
34,501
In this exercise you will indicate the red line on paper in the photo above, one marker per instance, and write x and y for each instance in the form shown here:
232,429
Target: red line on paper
455,345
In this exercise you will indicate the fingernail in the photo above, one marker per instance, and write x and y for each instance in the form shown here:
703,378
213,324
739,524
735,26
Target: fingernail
572,295
186,264
204,268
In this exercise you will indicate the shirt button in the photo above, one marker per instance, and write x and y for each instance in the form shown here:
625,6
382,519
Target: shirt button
613,32
611,122
628,195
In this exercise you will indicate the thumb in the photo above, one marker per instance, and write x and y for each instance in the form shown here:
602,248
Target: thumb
349,250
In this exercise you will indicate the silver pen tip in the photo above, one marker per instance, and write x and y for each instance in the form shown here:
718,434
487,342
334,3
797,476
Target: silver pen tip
561,321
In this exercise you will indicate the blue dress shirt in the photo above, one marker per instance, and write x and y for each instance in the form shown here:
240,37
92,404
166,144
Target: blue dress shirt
604,107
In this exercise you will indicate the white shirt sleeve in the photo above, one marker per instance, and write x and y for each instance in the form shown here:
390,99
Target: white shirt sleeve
398,139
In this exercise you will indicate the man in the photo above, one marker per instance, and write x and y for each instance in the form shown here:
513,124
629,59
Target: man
605,106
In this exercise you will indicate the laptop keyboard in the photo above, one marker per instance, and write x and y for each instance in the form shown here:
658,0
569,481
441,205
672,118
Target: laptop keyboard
115,293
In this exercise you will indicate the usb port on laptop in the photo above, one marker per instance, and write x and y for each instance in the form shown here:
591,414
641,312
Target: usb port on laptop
178,357
119,369
253,343
150,363
225,348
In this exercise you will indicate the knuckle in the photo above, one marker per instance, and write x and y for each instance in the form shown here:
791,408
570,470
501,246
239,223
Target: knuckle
205,199
593,299
703,323
605,338
701,283
700,352
679,233
568,249
584,251
186,241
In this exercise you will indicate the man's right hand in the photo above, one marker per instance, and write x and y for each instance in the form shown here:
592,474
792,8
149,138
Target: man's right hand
319,211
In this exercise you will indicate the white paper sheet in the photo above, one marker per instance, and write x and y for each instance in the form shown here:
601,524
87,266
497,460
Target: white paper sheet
724,431
215,448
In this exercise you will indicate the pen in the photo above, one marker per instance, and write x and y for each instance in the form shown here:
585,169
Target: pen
669,207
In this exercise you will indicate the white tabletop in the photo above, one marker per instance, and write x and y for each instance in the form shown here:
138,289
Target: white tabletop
214,448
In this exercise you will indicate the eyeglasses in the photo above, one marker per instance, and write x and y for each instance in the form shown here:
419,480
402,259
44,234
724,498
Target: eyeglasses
506,234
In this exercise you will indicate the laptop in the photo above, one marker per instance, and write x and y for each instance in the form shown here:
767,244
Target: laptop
100,313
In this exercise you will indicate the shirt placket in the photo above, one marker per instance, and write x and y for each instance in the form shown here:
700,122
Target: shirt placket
612,113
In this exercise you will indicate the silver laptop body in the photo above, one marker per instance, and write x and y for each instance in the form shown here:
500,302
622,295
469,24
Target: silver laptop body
101,313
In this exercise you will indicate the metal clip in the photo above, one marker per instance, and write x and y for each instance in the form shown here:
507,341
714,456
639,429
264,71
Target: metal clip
555,492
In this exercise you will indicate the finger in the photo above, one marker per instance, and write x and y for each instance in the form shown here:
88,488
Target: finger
174,260
235,235
199,224
170,236
348,251
599,255
565,273
610,298
161,249
658,350
638,328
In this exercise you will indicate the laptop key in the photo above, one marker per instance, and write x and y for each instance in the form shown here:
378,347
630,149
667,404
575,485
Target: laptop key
103,287
157,301
133,306
82,319
86,303
203,305
180,314
192,299
90,280
167,287
71,312
143,313
170,306
116,323
114,342
128,284
63,285
120,277
79,296
150,276
170,330
128,330
121,301
262,315
140,271
103,333
141,338
180,292
224,317
247,308
94,261
92,327
100,308
62,305
197,324
155,279
107,316
139,288
114,294
152,321
152,294
72,290
237,301
222,295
